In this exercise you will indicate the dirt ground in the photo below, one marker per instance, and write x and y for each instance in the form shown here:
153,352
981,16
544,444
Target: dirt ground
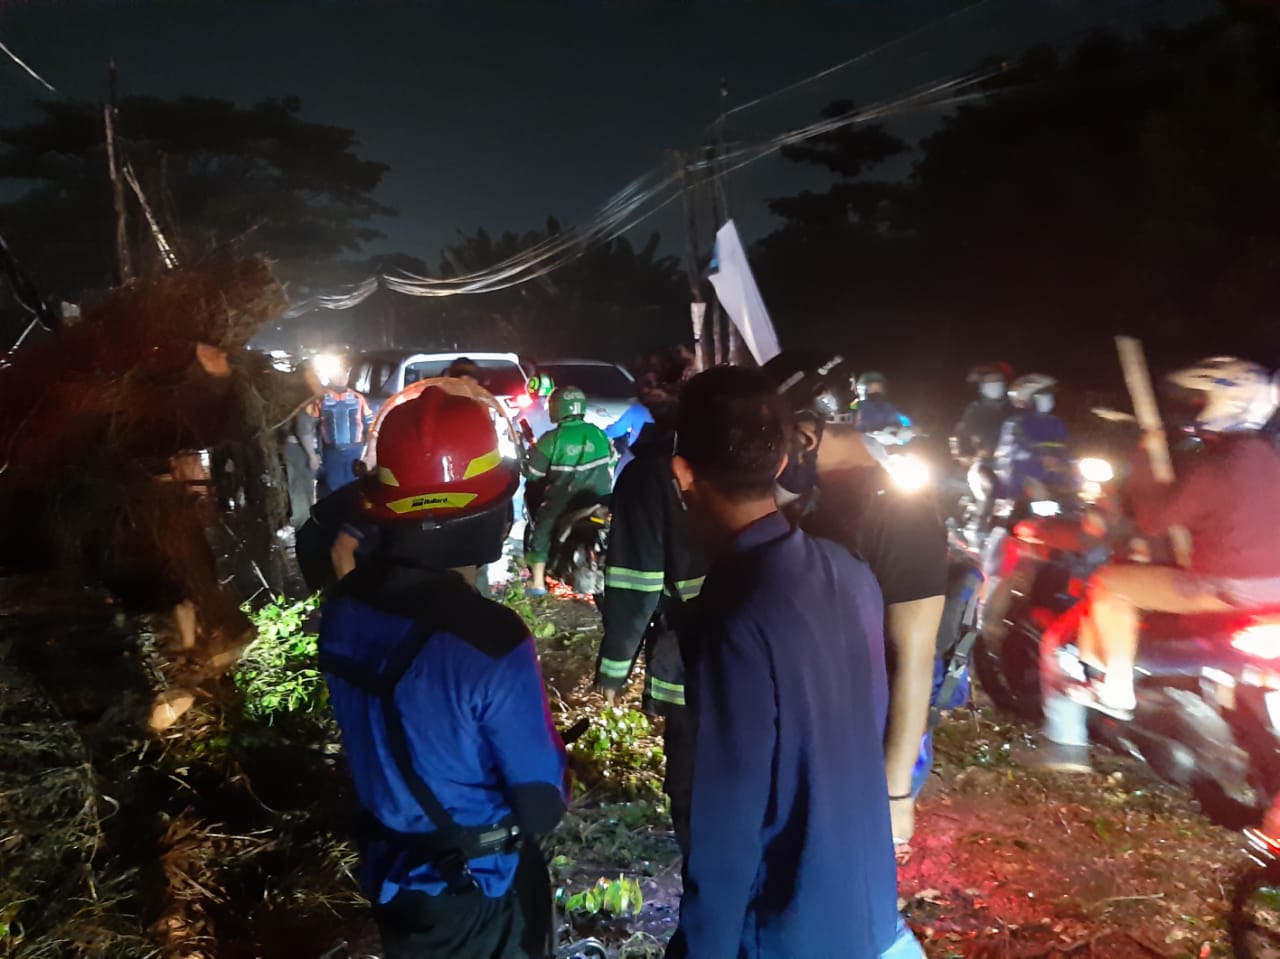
227,840
1008,861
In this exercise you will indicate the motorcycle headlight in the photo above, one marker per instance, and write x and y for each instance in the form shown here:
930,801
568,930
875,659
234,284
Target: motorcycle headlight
1260,640
1094,469
909,472
1045,507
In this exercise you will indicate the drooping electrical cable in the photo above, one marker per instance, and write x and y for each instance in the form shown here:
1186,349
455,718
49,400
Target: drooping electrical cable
861,57
649,194
20,62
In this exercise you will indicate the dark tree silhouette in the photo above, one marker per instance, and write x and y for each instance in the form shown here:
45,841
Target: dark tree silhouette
260,178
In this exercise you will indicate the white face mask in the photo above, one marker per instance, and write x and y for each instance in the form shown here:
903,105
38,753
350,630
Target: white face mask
1043,402
992,390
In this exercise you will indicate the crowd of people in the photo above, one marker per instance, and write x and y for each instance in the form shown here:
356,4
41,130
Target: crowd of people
785,601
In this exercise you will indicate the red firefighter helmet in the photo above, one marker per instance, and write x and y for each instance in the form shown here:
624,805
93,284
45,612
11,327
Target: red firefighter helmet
438,459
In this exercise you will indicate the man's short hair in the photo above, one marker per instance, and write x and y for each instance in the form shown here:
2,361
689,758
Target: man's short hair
732,431
463,366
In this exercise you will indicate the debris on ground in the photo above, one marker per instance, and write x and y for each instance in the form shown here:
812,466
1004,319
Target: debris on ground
227,837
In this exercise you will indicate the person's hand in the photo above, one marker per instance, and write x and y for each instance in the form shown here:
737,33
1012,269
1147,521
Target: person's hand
902,813
313,463
610,697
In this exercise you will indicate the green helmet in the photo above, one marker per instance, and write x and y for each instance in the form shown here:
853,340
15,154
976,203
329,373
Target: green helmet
567,403
540,384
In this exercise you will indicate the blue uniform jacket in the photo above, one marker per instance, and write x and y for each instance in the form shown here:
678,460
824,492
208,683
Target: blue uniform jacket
876,413
1032,446
475,714
630,423
791,847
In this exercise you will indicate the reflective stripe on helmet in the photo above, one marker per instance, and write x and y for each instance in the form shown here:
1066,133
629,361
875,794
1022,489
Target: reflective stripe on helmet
426,501
482,464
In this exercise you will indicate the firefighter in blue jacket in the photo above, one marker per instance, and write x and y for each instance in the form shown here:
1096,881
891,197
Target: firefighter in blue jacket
341,419
438,694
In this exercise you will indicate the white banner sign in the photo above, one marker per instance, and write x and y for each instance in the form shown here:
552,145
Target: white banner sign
737,290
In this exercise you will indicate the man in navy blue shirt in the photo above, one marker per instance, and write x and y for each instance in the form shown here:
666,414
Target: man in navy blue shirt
790,851
437,691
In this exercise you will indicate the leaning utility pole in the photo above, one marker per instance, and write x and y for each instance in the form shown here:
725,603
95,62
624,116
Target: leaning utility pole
734,348
697,305
111,117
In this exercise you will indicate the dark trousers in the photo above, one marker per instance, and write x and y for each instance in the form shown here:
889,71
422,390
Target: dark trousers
678,744
471,926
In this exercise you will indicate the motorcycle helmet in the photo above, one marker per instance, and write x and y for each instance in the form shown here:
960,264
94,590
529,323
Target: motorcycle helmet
541,385
871,379
810,384
567,403
1238,395
441,489
1024,390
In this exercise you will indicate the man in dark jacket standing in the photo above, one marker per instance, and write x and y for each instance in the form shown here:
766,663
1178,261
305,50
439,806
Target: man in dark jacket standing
437,690
791,852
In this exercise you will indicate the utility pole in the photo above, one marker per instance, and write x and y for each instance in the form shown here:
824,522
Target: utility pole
734,348
697,305
111,117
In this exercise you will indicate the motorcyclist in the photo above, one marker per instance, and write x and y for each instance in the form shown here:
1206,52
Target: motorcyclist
1226,499
847,496
576,460
873,411
1032,446
438,696
976,435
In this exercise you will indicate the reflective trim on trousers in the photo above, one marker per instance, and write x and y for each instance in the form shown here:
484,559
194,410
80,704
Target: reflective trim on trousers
666,692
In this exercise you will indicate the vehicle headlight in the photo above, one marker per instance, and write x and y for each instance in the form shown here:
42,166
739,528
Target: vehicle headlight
327,367
909,472
1045,507
1094,469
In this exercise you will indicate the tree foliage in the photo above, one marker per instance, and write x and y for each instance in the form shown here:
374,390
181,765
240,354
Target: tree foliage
1125,186
614,300
260,177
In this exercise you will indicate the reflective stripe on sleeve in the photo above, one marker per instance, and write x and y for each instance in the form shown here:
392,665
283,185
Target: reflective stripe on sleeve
643,581
614,668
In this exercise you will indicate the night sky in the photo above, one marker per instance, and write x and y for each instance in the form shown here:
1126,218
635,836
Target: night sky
500,113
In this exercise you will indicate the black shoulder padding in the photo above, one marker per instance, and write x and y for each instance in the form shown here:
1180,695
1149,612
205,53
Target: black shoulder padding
438,602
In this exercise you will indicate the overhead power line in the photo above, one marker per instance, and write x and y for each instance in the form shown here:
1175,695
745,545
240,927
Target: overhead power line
638,201
19,61
859,58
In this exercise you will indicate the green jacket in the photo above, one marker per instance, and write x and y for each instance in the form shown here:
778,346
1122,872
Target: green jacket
574,457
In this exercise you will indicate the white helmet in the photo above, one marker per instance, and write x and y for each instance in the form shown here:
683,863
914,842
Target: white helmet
1239,395
1024,388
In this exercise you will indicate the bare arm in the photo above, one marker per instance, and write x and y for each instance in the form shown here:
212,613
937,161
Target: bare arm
912,629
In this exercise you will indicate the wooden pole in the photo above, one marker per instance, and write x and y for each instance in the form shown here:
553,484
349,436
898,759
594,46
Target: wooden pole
1138,379
111,116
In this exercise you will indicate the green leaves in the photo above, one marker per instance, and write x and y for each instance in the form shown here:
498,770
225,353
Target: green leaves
278,673
622,750
616,898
